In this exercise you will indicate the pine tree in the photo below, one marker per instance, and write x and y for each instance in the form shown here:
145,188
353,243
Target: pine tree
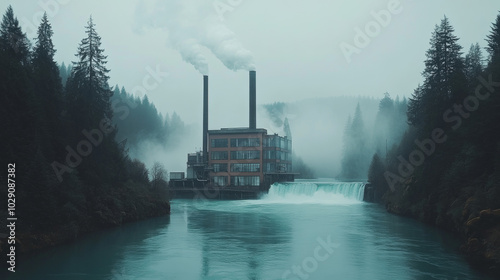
473,64
16,91
493,47
443,60
416,112
48,87
13,41
88,90
444,78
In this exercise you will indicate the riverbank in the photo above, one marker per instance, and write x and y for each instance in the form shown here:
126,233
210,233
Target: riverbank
33,241
324,235
478,231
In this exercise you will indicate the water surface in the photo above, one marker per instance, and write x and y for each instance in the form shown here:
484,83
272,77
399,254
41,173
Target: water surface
305,230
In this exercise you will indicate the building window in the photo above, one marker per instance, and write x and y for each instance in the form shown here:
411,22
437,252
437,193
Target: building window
272,154
283,168
218,155
245,155
270,167
219,143
245,142
245,167
272,141
220,167
219,180
269,154
245,180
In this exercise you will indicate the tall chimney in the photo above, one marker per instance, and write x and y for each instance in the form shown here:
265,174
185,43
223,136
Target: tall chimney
253,101
205,118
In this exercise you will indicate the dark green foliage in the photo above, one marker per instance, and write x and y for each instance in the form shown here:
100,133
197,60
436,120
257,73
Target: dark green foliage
40,121
87,88
493,41
138,120
13,41
473,65
376,176
459,176
444,79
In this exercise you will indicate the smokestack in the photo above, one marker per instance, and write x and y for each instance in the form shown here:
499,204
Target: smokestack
253,101
205,118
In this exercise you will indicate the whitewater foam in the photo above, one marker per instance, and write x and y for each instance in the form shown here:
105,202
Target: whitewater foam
315,193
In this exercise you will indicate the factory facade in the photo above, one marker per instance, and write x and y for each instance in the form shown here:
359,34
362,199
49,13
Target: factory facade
248,157
238,157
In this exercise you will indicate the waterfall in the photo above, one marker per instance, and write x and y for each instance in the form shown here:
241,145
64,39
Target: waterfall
316,192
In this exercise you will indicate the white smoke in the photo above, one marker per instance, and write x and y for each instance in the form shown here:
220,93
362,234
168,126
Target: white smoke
193,25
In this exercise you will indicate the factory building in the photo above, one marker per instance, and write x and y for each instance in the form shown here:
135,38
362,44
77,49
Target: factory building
248,157
238,157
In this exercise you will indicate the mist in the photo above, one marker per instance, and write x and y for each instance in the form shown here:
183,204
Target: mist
172,154
317,126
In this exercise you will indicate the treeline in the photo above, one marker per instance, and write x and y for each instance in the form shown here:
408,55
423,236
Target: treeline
71,174
446,169
359,141
138,120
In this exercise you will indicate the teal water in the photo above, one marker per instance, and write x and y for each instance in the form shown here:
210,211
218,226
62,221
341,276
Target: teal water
306,230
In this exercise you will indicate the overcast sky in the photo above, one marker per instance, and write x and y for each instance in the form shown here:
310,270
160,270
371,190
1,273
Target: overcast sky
295,46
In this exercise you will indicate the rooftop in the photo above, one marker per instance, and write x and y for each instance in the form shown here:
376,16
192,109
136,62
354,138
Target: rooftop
237,130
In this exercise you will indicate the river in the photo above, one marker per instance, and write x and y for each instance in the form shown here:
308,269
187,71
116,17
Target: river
304,230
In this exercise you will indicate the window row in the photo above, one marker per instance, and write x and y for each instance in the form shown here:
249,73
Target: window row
236,180
278,142
237,167
218,143
219,155
279,155
245,155
219,180
245,142
277,167
223,155
220,167
245,167
235,142
245,180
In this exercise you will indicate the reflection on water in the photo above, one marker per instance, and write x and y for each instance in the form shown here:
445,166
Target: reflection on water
247,238
258,239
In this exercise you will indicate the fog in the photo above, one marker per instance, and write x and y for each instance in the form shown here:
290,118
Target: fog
172,154
317,127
